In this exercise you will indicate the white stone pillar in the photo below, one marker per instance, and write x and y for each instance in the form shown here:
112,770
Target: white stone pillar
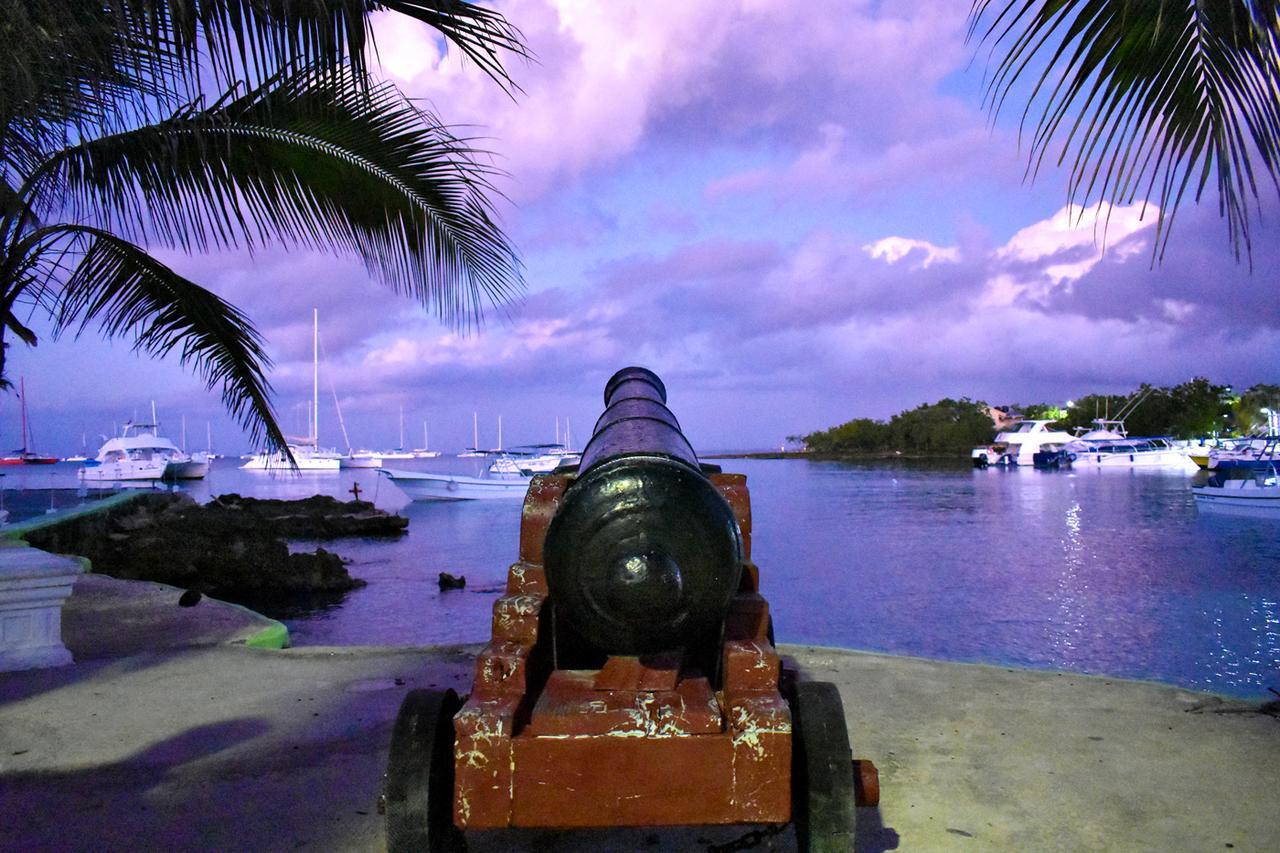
33,586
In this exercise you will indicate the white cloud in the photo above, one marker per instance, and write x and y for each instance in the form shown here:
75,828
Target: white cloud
894,249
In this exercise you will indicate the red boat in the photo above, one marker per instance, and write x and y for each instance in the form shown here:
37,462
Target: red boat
24,456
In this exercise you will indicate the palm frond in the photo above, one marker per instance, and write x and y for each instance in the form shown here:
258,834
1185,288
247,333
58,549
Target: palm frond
77,68
311,161
118,287
1147,99
72,67
257,39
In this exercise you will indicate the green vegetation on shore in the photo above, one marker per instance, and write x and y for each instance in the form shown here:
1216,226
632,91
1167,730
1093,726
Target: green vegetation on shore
1192,409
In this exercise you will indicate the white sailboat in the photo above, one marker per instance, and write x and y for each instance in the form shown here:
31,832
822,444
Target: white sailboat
399,452
475,439
307,454
423,452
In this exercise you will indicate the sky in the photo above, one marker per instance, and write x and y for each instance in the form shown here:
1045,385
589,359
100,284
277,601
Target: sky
794,219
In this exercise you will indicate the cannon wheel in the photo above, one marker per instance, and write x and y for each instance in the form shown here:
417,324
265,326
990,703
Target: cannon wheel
825,802
419,789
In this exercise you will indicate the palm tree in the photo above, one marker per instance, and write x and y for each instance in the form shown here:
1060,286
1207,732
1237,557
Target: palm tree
203,124
1145,98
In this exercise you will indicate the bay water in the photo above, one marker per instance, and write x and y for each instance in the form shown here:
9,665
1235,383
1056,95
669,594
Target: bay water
1106,572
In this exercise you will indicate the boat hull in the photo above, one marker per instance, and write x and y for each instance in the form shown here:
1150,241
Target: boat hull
1241,497
192,469
1174,459
423,486
361,462
305,462
124,471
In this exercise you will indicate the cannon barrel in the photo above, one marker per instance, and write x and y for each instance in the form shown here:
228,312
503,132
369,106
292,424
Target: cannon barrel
643,554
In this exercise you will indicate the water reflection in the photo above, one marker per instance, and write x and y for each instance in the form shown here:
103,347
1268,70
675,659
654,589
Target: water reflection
1108,572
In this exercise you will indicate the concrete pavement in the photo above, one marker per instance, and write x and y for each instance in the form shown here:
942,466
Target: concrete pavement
221,746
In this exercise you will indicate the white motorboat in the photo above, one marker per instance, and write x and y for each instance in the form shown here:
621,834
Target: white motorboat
194,467
1018,446
1251,453
428,486
1109,445
534,459
307,453
1256,495
138,453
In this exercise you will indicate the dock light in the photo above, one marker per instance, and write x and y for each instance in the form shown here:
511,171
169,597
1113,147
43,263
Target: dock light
1071,404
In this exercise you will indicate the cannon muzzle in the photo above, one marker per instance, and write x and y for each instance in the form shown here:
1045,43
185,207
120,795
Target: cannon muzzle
644,554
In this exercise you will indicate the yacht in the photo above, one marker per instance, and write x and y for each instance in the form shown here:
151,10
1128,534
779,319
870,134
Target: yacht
140,453
1019,445
534,459
1109,445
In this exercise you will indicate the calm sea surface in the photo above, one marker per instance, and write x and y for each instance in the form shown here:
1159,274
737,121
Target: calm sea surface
1111,572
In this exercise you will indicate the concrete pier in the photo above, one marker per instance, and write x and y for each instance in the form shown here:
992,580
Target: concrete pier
214,745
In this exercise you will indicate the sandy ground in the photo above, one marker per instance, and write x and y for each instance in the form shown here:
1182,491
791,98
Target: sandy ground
170,733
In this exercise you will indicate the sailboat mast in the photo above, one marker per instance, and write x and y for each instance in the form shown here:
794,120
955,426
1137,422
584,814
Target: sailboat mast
499,432
22,392
426,445
475,431
402,427
315,374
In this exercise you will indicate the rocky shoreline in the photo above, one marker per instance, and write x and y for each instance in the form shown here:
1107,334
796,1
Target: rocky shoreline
233,548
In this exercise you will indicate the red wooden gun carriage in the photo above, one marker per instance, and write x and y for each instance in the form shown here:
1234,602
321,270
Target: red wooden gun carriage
632,678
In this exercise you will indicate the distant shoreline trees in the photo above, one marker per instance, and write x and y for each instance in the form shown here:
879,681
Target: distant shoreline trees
1193,409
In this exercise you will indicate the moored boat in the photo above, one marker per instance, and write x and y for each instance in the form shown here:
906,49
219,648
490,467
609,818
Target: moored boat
307,453
361,459
1109,445
1018,446
140,453
1256,495
1244,454
424,452
1051,457
23,456
430,486
306,457
534,459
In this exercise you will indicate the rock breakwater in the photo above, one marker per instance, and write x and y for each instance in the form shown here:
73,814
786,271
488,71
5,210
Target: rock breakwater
233,548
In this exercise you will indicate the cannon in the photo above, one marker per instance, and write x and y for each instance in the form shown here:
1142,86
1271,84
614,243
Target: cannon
631,679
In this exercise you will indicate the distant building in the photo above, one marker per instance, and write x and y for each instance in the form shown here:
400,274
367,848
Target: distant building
1003,416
